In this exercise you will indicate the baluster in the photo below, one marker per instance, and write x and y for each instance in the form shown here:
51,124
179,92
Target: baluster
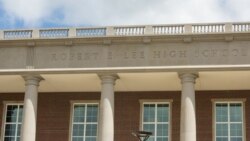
125,31
202,28
156,30
117,31
210,28
170,30
159,30
177,29
120,31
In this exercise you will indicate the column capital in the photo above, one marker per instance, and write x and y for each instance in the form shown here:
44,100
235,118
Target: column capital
188,77
32,79
108,78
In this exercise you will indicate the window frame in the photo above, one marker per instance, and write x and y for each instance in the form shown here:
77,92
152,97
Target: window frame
5,105
228,101
82,102
157,101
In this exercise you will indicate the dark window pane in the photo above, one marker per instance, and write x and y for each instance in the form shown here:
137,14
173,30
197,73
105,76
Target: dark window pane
149,128
19,129
92,112
77,138
90,139
20,115
91,130
221,130
235,112
162,139
162,130
79,113
149,113
9,139
11,115
221,139
78,129
221,112
151,138
162,112
236,129
10,129
236,139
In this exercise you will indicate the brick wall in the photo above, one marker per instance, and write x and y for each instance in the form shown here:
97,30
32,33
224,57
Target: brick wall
204,111
127,113
54,112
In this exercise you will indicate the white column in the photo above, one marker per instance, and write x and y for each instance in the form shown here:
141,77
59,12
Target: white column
28,132
106,122
188,118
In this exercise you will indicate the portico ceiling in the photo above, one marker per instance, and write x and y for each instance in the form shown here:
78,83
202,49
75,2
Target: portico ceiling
163,81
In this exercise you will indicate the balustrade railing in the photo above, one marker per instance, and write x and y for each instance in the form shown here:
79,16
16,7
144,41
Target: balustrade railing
129,30
91,32
208,28
54,33
242,27
171,29
126,31
18,34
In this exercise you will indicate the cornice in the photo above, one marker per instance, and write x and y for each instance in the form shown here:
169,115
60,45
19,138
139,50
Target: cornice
149,39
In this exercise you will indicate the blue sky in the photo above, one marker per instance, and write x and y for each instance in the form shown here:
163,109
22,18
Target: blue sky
67,13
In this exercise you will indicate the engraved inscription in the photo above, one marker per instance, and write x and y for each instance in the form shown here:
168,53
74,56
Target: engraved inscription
169,54
134,55
155,54
221,53
78,56
148,56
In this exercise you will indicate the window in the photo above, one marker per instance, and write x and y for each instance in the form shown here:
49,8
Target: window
229,121
12,122
155,119
84,122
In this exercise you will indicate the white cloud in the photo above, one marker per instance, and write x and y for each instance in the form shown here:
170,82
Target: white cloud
113,12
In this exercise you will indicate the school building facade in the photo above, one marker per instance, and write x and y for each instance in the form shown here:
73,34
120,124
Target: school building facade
185,82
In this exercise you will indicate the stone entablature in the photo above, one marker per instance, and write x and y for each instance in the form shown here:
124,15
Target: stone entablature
193,47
